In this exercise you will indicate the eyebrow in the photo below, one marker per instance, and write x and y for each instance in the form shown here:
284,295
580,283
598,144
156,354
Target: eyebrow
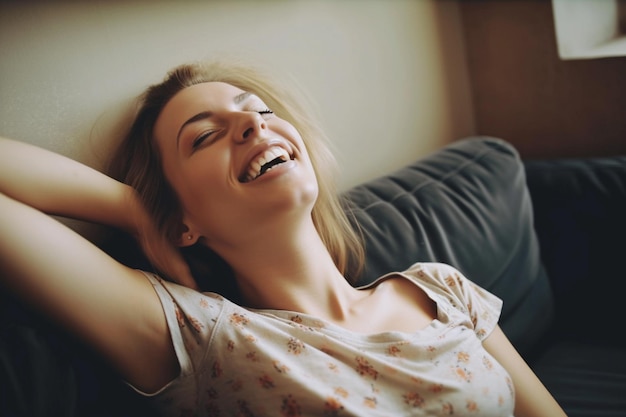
207,114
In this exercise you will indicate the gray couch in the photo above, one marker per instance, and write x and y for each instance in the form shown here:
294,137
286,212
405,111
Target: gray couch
545,236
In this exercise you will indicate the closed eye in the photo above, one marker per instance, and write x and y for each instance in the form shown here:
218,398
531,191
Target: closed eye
197,142
201,139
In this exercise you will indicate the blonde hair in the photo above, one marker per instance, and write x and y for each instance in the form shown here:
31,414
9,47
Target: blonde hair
137,161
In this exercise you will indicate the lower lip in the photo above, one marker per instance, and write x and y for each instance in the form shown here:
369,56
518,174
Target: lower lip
278,170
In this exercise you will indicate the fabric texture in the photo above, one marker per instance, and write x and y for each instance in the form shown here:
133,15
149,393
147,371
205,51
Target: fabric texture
237,361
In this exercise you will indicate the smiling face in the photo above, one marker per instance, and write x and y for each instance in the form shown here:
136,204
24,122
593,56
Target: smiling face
239,170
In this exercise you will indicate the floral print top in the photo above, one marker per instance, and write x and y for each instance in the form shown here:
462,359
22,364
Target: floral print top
242,362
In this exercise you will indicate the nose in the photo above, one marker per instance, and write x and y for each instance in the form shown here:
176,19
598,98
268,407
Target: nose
252,124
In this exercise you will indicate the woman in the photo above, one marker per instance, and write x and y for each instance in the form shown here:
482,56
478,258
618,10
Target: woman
220,159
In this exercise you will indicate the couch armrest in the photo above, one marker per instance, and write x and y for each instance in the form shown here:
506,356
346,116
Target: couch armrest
580,219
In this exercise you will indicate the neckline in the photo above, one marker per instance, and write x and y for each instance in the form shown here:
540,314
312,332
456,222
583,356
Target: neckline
313,322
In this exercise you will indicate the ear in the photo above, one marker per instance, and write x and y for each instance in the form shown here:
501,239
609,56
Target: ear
187,236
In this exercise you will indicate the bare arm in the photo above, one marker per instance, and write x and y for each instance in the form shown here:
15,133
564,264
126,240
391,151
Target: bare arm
58,185
109,305
532,399
61,186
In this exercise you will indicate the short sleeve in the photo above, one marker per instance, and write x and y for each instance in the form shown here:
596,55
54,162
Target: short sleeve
480,307
191,318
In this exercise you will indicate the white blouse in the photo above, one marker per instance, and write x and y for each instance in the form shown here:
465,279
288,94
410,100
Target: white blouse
242,362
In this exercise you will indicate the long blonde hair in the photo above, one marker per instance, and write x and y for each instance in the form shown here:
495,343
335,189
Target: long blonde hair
137,160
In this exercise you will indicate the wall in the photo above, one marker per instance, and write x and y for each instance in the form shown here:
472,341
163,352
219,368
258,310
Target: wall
389,77
524,93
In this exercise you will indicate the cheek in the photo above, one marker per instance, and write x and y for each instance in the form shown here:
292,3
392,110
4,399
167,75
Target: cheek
199,181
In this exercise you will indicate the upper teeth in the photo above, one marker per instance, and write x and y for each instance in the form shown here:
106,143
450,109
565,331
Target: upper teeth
254,169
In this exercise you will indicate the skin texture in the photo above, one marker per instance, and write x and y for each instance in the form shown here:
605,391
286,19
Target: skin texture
262,228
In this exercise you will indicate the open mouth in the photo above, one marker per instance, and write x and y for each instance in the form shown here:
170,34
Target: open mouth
264,162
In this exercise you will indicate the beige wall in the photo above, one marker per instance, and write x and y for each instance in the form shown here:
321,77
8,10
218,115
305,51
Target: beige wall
389,77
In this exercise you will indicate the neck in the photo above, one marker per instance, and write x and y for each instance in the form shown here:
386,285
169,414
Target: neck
295,272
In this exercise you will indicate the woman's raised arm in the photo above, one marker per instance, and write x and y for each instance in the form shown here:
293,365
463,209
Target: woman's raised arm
57,185
108,304
61,186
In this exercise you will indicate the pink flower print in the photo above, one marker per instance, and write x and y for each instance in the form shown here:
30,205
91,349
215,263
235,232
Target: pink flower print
413,399
290,407
393,350
296,319
244,410
179,316
280,368
216,370
509,384
471,406
422,275
333,367
487,363
370,402
450,281
239,320
463,374
364,368
204,303
447,409
252,356
230,346
417,381
332,406
436,388
196,324
341,392
462,357
295,346
266,381
473,315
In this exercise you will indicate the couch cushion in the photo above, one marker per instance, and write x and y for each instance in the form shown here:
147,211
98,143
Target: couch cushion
466,205
587,380
580,207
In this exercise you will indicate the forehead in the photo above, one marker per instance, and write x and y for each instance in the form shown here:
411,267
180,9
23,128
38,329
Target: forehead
189,101
209,93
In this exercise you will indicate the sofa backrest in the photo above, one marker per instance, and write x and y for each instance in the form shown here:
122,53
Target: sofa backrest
580,219
466,205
